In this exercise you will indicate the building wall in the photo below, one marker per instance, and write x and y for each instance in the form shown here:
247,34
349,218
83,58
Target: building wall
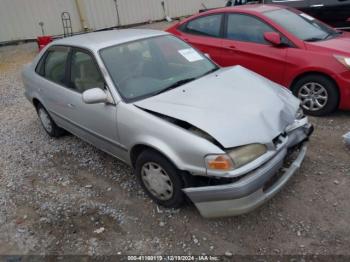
19,19
138,11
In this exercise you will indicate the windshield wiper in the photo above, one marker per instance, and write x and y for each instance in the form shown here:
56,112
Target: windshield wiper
313,39
332,34
209,72
175,85
184,81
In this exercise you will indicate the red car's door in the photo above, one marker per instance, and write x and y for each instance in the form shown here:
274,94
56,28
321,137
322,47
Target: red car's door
244,44
205,33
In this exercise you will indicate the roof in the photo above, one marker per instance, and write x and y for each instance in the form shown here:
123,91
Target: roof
255,8
98,40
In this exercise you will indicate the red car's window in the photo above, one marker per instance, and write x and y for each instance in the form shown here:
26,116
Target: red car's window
207,26
247,29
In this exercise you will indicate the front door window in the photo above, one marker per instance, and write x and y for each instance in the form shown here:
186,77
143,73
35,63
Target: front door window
84,72
247,29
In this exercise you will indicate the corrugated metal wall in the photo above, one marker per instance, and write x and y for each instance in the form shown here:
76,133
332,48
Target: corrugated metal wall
19,19
188,7
138,11
100,15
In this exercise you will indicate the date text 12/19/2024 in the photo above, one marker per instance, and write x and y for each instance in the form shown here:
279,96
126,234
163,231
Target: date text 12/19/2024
173,258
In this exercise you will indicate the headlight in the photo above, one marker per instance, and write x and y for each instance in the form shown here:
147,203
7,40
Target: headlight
235,158
245,154
344,60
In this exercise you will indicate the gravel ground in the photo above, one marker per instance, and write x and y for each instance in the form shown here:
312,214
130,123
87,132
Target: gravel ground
62,196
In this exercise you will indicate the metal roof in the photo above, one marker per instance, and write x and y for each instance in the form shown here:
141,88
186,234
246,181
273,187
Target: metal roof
98,40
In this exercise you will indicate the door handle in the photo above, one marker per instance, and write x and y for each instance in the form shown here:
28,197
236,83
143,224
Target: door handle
71,105
231,47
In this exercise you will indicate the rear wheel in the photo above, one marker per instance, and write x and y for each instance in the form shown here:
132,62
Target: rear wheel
318,94
47,122
160,179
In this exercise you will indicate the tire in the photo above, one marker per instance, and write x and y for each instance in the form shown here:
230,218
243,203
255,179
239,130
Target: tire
318,94
162,177
47,122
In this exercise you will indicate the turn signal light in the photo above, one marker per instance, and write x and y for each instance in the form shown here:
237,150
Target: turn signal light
219,162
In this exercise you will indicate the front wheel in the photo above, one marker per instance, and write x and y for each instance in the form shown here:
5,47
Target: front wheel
160,179
318,94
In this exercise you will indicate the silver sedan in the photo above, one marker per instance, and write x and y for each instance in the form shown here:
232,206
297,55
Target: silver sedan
225,138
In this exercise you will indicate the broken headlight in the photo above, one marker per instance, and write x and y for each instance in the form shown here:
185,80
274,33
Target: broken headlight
244,154
235,158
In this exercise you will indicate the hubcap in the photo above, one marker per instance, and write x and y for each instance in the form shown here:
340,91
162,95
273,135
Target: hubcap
313,96
45,120
157,181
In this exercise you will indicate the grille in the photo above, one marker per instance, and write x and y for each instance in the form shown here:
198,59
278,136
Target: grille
289,159
279,139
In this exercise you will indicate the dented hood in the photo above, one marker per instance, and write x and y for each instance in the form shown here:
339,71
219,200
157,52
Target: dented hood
233,105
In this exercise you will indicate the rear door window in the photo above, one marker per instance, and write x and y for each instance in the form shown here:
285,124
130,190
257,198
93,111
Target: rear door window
206,26
53,67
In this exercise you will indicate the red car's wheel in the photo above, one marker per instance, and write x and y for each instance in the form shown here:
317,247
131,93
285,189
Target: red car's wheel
318,94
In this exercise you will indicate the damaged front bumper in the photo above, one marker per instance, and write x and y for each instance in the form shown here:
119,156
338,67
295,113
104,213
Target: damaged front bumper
257,186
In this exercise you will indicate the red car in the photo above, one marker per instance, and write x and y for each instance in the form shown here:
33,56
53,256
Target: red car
280,43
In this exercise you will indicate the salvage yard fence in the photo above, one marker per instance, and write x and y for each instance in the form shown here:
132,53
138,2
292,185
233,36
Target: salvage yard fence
25,19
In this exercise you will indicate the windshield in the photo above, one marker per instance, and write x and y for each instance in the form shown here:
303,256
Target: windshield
150,66
301,25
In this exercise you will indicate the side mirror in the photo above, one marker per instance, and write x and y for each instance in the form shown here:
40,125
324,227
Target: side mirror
95,96
273,37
